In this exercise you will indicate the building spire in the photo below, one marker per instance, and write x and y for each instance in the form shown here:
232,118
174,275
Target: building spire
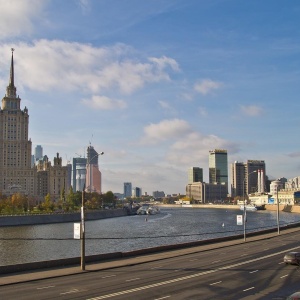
12,75
11,89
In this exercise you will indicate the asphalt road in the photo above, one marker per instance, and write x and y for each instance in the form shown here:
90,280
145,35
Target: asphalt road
252,270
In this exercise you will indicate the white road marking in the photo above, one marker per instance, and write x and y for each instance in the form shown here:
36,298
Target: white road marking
133,279
284,276
162,298
108,276
253,271
215,282
251,288
70,292
46,287
216,261
162,283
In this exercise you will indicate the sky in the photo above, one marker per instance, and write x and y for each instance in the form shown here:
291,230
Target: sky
156,84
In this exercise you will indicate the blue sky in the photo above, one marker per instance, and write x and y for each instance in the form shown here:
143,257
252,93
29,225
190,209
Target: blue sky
156,84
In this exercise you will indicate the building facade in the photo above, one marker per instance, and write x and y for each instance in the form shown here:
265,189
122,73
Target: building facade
79,173
218,166
195,174
247,178
93,174
127,189
17,175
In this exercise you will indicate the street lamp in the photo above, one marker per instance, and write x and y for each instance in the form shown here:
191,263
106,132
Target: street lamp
247,177
82,224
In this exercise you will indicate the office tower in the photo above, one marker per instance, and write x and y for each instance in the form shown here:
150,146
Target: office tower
237,178
136,192
93,174
127,189
38,152
218,166
79,173
249,177
195,174
16,174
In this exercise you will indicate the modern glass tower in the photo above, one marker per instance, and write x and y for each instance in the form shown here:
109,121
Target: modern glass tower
218,166
127,189
195,174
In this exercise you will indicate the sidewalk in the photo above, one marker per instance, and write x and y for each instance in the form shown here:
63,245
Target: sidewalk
13,278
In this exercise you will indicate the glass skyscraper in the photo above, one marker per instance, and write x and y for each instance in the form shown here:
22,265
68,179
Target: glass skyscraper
218,166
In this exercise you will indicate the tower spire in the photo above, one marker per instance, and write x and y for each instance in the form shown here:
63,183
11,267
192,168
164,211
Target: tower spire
11,89
12,75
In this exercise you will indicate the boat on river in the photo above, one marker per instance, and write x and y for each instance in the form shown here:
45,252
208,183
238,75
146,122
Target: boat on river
147,209
248,207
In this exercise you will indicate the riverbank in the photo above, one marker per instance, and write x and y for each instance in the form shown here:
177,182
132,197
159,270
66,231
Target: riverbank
269,207
60,218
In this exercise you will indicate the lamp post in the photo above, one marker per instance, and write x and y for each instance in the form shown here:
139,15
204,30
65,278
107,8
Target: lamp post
82,224
247,177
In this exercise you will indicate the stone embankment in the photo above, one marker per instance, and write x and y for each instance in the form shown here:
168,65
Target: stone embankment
60,217
271,207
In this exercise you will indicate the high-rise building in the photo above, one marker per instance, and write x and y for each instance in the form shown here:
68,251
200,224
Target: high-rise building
79,173
249,177
195,174
136,192
93,174
127,189
218,166
38,152
16,174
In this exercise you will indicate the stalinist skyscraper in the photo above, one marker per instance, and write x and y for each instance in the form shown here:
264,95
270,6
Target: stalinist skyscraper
16,174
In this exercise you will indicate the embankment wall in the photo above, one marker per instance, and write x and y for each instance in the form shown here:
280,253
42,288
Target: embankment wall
60,218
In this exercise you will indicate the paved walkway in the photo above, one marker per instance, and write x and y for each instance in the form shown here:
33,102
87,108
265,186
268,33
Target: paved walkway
12,278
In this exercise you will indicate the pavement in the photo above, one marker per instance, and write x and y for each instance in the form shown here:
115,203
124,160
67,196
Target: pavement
13,278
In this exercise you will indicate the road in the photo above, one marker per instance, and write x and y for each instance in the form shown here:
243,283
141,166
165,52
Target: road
252,270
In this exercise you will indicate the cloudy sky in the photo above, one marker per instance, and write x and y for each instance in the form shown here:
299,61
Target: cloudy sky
156,84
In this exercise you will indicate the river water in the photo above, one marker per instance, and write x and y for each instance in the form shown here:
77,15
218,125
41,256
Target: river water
23,244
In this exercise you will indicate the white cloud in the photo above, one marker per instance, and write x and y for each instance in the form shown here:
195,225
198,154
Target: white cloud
17,17
251,110
104,103
164,62
206,86
193,149
46,65
164,130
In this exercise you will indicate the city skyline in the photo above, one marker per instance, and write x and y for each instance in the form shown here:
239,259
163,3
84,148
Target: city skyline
156,85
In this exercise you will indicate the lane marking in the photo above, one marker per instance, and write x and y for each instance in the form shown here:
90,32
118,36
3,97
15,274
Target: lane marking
215,282
70,292
251,288
46,287
133,279
162,298
253,271
108,276
162,283
284,276
216,261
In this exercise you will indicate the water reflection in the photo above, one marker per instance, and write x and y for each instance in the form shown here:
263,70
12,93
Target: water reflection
173,225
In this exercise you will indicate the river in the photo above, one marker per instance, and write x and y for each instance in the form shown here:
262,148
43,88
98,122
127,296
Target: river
23,244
